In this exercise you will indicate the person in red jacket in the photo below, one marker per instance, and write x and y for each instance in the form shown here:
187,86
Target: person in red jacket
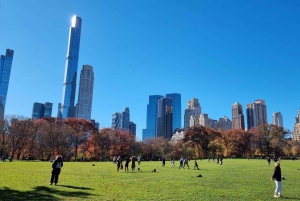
277,177
56,167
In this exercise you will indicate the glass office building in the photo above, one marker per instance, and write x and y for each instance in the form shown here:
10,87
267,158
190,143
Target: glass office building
41,110
5,69
176,110
164,118
150,131
69,87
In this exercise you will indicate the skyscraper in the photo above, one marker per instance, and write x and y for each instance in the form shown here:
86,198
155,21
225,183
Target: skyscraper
238,121
69,87
296,133
176,119
164,118
116,120
121,120
277,119
48,109
132,128
193,108
38,110
85,95
256,113
41,110
150,131
5,69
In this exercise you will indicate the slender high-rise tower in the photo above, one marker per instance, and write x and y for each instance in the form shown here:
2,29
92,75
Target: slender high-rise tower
5,68
164,118
277,119
176,119
238,121
85,95
151,126
69,87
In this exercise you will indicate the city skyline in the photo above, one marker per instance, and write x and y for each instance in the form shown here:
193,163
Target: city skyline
235,52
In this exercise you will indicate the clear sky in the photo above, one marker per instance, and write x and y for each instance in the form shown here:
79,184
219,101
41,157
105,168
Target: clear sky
218,51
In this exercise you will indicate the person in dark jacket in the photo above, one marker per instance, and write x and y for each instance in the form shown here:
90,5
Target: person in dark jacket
277,177
56,167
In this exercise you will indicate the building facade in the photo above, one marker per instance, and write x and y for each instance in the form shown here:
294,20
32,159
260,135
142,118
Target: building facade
238,121
41,110
194,121
69,87
121,120
151,127
164,118
132,128
277,119
5,69
224,124
296,133
256,113
176,119
85,94
193,108
204,120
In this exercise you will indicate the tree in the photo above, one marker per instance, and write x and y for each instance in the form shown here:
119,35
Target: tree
81,128
122,143
200,137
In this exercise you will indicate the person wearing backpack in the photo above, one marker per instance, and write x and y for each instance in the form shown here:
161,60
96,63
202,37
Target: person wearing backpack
56,167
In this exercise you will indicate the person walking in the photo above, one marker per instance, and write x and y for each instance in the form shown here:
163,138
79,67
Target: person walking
196,165
119,163
127,160
133,159
277,177
56,168
173,163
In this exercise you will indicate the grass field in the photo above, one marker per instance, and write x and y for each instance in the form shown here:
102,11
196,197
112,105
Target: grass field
236,179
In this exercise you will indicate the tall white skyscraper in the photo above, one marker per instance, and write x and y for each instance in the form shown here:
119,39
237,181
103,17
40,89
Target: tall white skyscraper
296,133
85,95
256,113
277,119
193,108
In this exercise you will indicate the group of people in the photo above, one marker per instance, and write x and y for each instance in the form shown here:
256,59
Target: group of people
4,158
133,159
57,164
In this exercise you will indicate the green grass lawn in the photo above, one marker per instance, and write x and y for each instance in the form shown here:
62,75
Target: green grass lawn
236,179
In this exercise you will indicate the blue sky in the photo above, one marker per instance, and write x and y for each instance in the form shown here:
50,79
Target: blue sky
217,51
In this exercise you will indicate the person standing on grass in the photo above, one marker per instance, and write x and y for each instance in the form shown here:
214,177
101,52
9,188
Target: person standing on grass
139,160
163,161
196,165
119,162
126,164
56,167
133,159
173,162
277,177
269,161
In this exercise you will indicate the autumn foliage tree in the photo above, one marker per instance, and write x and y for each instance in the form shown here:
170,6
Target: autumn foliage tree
200,138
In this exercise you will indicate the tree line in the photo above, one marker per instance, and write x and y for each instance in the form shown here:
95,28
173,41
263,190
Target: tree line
75,138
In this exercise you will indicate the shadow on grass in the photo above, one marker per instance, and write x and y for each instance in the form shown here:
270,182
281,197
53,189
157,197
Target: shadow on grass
40,193
76,187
